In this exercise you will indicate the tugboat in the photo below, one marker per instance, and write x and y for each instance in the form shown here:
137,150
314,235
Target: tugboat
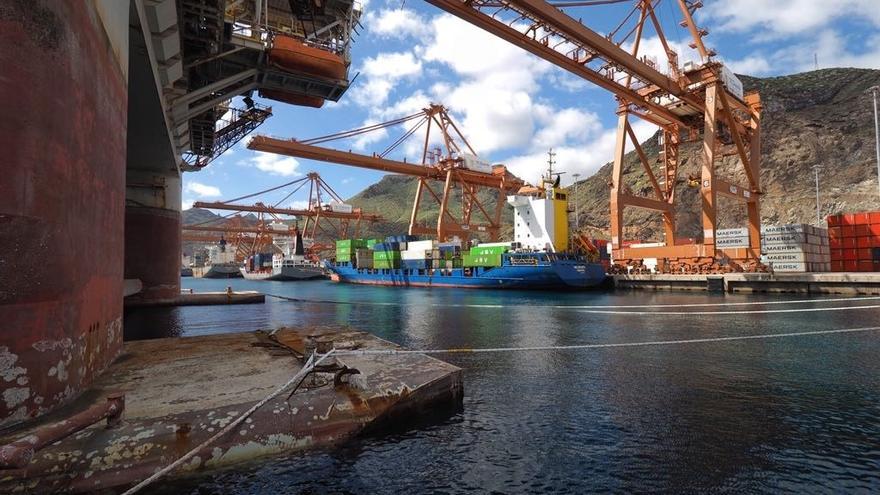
288,263
537,258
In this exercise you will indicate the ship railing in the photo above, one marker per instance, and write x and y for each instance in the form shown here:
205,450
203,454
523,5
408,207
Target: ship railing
523,260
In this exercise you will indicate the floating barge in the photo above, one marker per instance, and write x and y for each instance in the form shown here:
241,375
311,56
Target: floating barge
801,283
178,392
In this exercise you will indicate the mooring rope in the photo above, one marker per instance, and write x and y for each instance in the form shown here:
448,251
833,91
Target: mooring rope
737,312
465,350
601,309
308,367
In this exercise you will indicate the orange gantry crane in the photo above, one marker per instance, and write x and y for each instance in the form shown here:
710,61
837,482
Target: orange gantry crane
243,237
456,165
324,221
685,102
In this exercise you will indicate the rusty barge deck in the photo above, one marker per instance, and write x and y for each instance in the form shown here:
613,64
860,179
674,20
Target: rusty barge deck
181,391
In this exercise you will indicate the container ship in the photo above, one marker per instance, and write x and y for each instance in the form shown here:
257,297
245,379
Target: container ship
537,258
287,263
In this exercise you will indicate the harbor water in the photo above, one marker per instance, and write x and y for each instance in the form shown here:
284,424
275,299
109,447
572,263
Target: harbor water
796,414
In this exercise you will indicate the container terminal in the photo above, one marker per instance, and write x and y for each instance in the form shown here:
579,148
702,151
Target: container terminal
149,90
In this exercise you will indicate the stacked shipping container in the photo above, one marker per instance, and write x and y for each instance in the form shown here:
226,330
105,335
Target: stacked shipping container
795,248
855,242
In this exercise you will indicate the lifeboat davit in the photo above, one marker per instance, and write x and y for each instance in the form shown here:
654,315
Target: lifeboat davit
292,98
293,55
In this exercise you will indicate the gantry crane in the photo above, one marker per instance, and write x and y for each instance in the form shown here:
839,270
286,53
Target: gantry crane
456,165
683,101
324,221
243,237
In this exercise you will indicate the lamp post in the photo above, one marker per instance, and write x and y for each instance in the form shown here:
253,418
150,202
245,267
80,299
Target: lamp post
873,90
577,221
816,168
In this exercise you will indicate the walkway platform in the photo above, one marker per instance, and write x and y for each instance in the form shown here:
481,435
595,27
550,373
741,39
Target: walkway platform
181,391
801,283
199,299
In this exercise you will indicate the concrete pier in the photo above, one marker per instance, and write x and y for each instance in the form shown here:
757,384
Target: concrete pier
200,299
800,283
181,391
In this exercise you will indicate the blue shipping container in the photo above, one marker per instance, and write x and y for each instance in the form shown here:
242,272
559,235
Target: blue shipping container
414,264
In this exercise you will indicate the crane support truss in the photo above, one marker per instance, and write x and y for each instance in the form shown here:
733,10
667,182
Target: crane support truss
476,216
681,102
322,218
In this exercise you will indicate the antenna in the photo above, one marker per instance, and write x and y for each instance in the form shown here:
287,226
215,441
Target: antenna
551,155
816,60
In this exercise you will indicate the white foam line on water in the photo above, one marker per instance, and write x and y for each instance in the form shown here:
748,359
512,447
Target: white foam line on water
737,312
597,307
372,352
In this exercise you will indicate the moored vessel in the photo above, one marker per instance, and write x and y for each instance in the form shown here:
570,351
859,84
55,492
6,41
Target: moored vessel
287,262
537,258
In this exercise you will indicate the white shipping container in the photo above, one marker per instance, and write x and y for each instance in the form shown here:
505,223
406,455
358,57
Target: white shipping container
785,238
740,232
420,245
412,254
341,207
782,229
732,242
474,163
732,83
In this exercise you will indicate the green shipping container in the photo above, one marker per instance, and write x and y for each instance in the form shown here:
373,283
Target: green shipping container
372,242
345,258
350,244
386,255
488,250
386,264
471,260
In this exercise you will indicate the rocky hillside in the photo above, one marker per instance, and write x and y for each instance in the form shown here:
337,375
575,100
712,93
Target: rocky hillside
822,117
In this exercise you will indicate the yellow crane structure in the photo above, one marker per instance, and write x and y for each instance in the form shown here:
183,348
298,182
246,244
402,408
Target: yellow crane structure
699,101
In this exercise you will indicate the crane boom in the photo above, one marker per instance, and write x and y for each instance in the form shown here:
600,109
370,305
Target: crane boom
355,215
318,153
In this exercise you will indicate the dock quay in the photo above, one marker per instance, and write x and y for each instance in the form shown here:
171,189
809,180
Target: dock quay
178,392
800,283
199,299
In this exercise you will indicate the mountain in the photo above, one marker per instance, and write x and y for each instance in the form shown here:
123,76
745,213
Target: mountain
819,118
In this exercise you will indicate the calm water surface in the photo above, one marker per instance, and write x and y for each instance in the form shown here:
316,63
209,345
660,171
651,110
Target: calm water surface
782,415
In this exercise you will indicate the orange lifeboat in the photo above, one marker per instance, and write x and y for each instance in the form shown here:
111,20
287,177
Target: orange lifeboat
293,55
292,98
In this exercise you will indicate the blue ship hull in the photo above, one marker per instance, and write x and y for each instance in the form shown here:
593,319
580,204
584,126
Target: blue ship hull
556,273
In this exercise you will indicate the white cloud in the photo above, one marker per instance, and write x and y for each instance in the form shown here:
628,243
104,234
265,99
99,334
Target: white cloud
584,158
299,204
395,23
787,17
202,190
187,204
752,65
274,164
381,74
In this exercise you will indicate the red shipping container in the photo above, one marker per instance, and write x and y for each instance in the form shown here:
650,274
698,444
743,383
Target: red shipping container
833,221
836,265
850,266
865,254
848,231
863,230
875,230
835,243
837,254
866,242
862,218
850,243
850,254
875,217
866,266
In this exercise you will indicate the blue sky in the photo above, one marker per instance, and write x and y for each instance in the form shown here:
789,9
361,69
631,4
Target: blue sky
512,106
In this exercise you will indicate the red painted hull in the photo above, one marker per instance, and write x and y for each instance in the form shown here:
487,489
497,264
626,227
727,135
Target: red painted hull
62,196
